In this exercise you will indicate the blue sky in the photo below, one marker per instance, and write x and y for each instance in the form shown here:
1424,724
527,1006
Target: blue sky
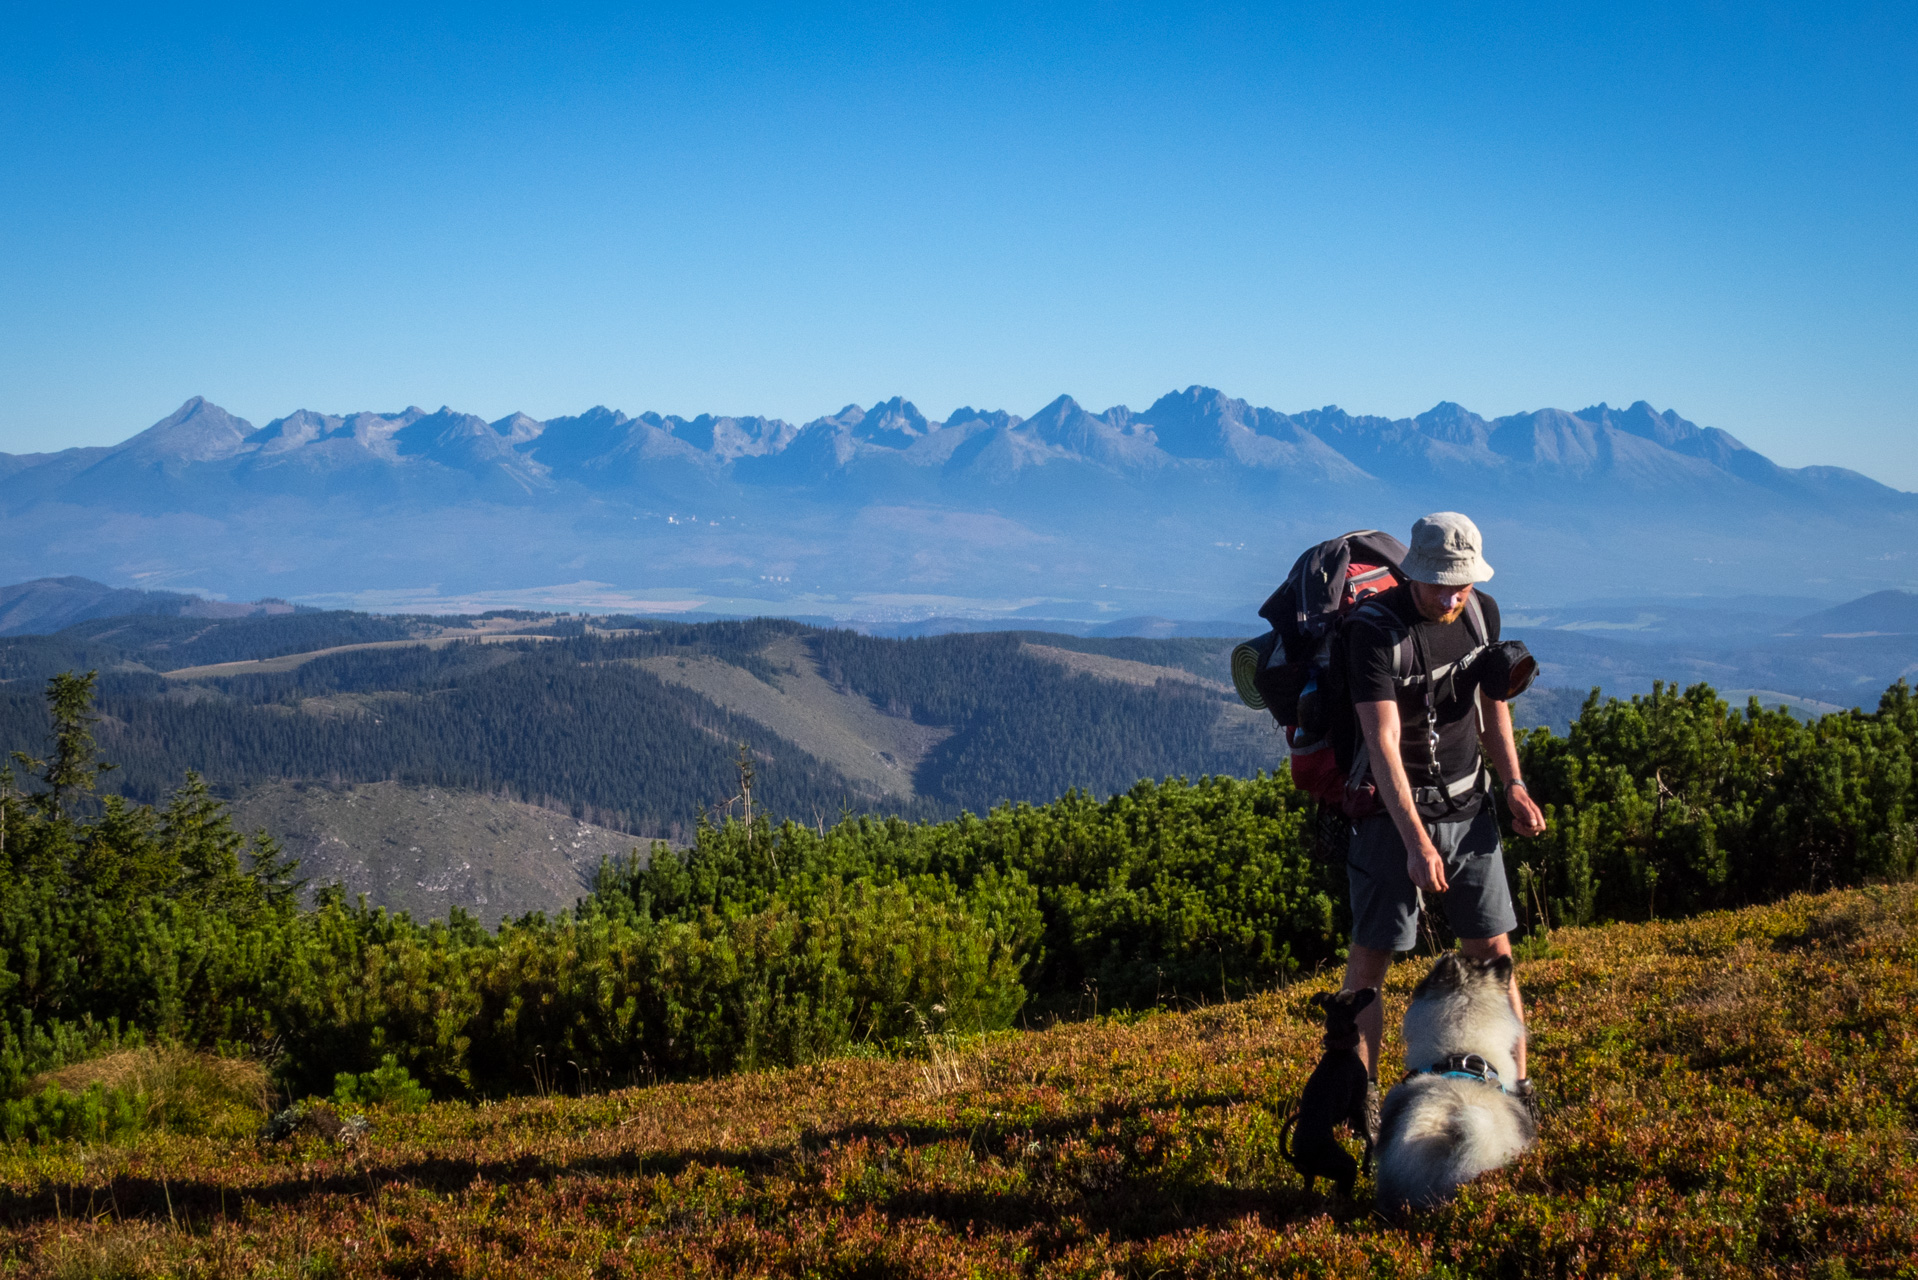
783,209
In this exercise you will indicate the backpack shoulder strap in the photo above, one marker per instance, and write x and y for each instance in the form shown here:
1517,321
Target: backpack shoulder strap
1475,619
1396,633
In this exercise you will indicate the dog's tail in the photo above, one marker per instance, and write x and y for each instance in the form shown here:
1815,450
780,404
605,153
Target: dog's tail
1286,1131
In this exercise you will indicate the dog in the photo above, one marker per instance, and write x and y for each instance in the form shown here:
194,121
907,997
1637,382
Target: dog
1334,1095
1453,1117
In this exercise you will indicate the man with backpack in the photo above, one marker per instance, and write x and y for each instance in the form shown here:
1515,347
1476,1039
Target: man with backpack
1428,730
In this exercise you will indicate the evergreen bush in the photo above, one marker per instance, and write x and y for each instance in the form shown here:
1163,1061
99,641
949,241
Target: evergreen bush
135,941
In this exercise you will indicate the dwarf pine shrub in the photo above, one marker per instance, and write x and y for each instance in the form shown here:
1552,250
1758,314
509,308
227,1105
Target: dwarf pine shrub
95,1114
388,1085
161,946
1673,803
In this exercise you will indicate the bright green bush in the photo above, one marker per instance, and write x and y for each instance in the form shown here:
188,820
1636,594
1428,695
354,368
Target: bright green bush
1171,888
97,1114
764,945
1674,803
388,1085
613,994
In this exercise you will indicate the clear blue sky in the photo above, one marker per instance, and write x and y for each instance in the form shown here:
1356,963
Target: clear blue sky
783,209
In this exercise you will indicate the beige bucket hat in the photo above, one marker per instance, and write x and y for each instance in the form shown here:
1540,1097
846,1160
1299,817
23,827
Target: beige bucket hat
1447,551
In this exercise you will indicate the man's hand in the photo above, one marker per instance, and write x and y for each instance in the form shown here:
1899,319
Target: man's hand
1380,721
1502,747
1527,820
1423,864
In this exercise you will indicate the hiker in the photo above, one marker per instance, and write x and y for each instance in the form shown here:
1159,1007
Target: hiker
1427,742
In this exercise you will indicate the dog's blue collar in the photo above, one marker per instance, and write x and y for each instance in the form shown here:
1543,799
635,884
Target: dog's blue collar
1463,1066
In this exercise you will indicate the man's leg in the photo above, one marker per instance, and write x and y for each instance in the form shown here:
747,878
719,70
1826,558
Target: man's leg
1486,949
1366,967
1385,912
1479,902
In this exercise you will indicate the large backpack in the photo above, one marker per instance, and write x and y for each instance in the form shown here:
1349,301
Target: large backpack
1297,670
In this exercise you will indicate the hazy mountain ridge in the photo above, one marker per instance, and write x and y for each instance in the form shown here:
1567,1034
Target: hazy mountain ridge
47,605
1191,508
1198,428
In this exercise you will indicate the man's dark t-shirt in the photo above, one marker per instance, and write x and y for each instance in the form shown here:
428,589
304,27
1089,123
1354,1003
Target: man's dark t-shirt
1370,669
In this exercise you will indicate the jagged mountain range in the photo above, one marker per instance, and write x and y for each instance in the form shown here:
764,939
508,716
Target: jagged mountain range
1039,512
1198,430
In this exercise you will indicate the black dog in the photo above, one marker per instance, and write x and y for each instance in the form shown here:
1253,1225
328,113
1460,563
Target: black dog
1334,1095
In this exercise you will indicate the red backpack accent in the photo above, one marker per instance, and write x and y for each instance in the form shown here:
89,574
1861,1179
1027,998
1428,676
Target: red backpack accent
1316,769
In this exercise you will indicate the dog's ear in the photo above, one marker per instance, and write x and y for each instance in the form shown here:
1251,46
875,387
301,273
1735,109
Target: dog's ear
1447,974
1363,997
1499,967
1320,1000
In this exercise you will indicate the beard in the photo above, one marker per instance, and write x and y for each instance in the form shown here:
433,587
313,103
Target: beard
1448,616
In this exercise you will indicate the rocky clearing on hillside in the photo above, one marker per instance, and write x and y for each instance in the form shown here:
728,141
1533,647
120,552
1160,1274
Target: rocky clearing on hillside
427,849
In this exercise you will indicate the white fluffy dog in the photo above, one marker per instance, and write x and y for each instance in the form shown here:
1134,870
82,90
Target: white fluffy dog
1451,1118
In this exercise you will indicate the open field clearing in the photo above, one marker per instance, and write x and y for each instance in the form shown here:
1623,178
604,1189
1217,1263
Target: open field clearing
845,729
288,662
1121,669
1731,1095
836,724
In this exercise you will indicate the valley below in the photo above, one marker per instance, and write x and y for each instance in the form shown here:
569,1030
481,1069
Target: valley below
490,762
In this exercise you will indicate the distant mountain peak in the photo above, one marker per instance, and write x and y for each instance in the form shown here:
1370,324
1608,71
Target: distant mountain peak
518,428
966,415
198,431
895,423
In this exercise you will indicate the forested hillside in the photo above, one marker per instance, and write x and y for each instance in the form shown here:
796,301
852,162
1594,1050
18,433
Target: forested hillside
637,725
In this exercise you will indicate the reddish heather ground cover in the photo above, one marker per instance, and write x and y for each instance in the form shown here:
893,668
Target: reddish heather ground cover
1730,1095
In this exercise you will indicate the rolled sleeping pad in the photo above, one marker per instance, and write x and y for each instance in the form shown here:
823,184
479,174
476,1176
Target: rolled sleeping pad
1505,670
1248,659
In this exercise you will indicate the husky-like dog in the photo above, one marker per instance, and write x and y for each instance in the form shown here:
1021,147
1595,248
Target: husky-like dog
1334,1096
1452,1118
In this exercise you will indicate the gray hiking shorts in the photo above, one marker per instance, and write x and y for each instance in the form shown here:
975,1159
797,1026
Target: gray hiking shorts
1385,902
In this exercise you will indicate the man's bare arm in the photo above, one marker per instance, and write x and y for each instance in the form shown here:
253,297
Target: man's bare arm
1501,749
1380,721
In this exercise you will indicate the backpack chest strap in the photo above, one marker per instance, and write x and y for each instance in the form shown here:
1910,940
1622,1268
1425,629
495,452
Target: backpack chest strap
1405,657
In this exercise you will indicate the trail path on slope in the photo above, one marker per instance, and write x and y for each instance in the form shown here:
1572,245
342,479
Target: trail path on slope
287,662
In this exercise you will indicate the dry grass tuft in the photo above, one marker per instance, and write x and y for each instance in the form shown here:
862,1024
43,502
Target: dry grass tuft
1880,914
105,1255
185,1091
